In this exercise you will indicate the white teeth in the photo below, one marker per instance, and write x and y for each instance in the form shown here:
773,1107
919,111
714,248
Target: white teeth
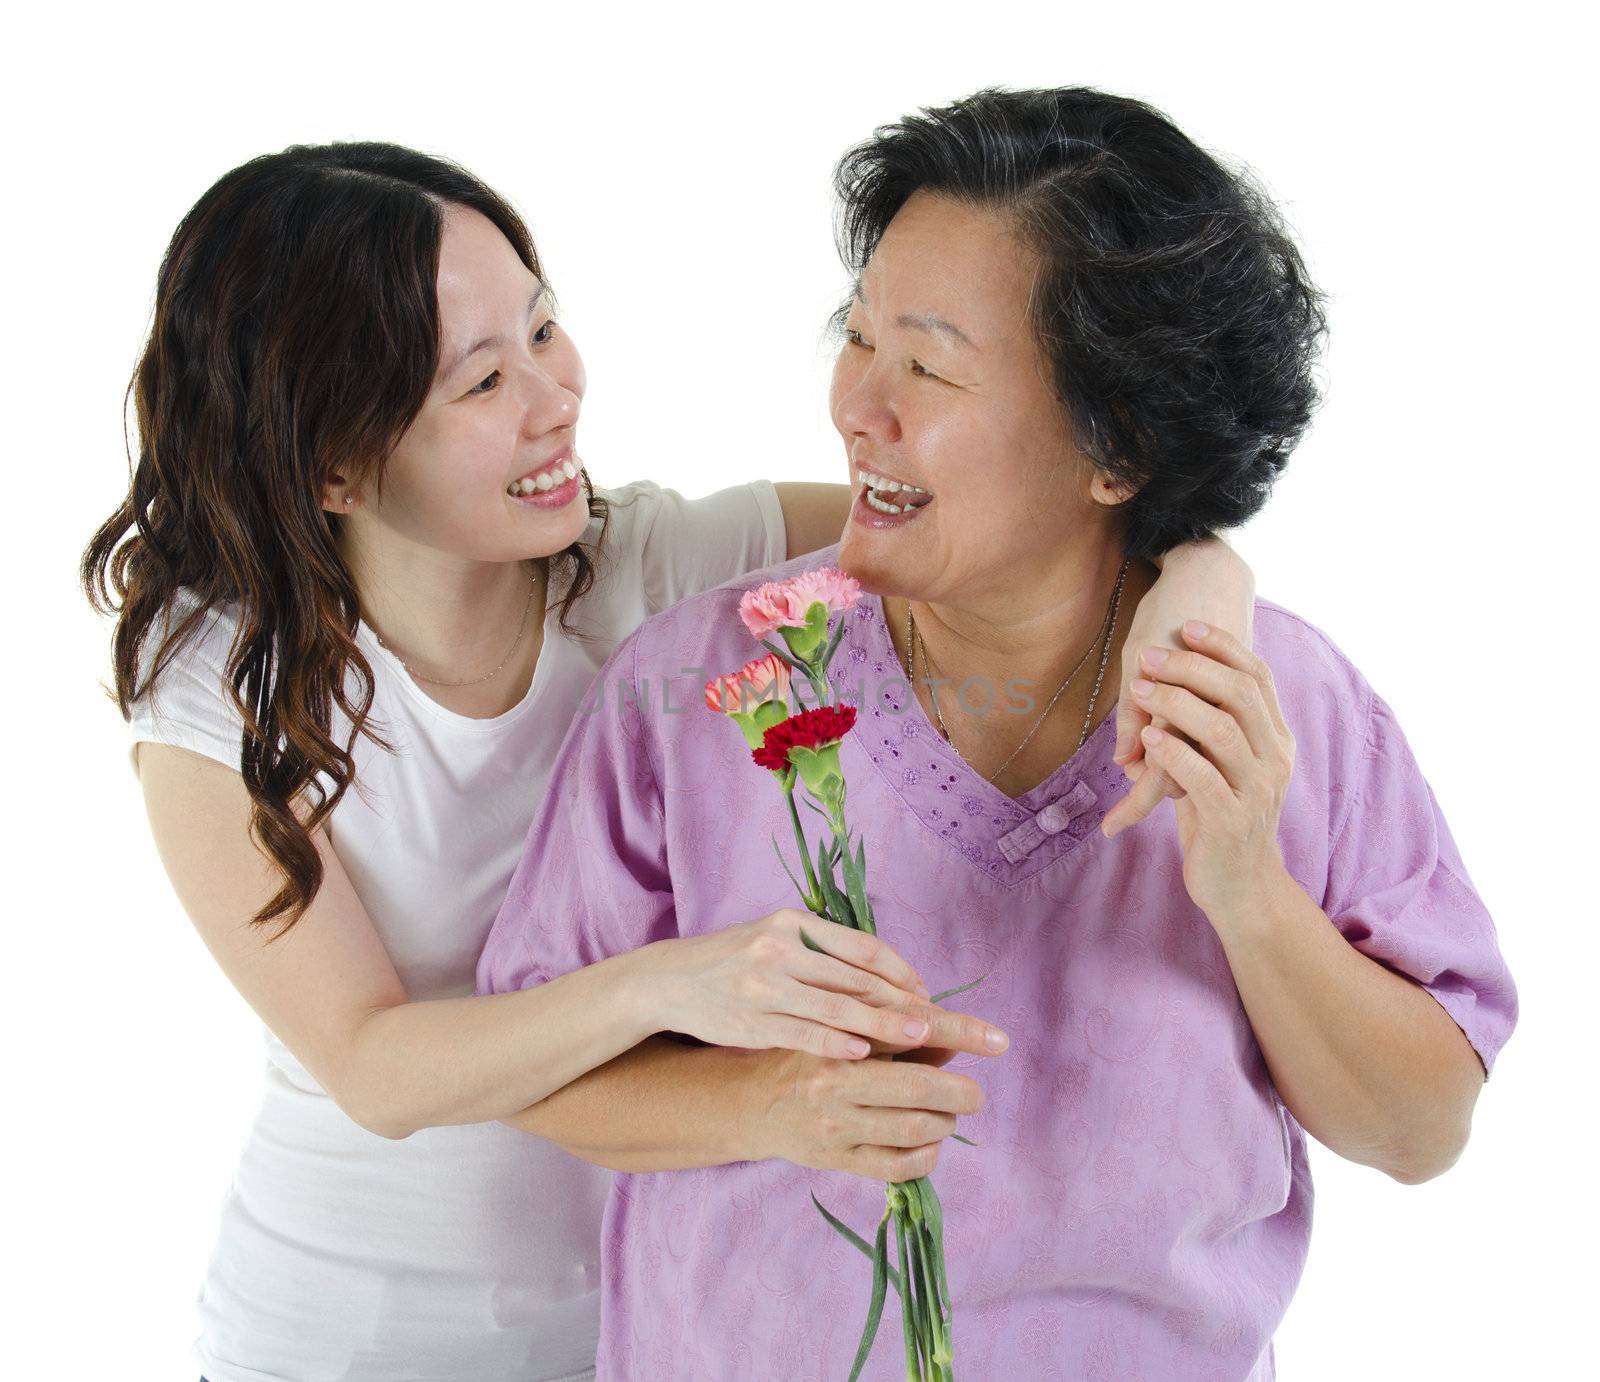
884,486
545,480
873,502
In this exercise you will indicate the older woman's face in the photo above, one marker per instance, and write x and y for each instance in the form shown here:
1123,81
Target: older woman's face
940,385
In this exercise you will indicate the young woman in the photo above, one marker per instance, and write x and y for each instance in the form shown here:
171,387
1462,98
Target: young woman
362,582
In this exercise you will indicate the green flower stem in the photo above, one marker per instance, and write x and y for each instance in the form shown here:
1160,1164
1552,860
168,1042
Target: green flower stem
933,1312
908,1306
933,1213
928,1315
814,898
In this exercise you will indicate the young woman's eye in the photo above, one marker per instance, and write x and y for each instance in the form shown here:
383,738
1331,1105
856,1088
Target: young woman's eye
540,337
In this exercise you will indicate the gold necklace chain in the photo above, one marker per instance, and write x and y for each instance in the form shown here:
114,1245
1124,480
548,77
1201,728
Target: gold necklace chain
522,628
1108,628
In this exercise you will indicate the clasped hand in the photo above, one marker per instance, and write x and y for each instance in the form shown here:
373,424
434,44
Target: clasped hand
757,986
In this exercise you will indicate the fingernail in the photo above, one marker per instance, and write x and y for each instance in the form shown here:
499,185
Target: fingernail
1141,688
1152,735
1155,656
996,1040
1195,629
924,992
916,1030
856,1047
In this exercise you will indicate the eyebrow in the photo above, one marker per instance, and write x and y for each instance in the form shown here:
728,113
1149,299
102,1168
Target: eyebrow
923,321
487,341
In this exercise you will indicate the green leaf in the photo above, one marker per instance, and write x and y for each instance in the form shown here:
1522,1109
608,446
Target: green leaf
880,1277
838,904
853,1238
933,1215
810,944
861,867
932,1312
856,885
776,850
782,653
833,644
962,988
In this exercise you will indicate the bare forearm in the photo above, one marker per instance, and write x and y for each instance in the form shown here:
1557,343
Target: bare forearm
1366,1060
1217,583
471,1060
661,1106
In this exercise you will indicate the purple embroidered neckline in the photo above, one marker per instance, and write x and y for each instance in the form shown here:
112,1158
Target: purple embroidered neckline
1010,839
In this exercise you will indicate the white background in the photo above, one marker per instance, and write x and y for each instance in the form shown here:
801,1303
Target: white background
674,165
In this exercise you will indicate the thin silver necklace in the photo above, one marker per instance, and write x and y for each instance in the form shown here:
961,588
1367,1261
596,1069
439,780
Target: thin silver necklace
1107,629
522,628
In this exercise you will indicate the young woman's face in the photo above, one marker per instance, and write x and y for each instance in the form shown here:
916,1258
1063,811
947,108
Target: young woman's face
941,385
502,413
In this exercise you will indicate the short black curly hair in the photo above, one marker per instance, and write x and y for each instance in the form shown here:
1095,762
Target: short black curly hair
1180,324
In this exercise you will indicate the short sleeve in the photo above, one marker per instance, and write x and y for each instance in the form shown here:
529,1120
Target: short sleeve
690,545
189,707
593,879
1398,891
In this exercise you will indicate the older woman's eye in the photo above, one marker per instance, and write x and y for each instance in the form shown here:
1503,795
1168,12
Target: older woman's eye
921,372
853,337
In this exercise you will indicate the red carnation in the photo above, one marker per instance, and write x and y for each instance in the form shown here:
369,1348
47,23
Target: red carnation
810,729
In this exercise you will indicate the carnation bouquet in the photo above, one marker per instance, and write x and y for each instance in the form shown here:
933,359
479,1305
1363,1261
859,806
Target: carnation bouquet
800,748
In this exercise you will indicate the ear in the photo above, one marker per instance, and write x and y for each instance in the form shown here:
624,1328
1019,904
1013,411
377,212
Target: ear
338,496
1104,490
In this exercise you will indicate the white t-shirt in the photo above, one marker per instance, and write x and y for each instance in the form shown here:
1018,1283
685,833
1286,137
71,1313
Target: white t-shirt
458,1254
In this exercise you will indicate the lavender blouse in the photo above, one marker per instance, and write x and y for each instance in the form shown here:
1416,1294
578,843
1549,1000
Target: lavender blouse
1139,1205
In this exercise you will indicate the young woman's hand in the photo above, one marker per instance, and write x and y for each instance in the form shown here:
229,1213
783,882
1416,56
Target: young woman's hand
884,1120
1234,762
757,985
1207,581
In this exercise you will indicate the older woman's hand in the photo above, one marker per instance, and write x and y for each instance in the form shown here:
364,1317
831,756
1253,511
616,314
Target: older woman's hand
1234,772
1205,581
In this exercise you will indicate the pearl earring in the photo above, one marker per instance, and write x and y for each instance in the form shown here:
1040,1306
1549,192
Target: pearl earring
349,499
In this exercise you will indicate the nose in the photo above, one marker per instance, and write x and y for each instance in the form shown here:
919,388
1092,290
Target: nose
550,397
862,402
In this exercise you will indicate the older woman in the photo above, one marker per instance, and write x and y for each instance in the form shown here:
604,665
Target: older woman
1074,341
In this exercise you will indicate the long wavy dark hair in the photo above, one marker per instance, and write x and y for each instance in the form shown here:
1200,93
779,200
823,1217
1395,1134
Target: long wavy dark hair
1180,325
295,336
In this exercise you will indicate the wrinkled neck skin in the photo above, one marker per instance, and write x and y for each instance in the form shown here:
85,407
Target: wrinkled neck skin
1031,627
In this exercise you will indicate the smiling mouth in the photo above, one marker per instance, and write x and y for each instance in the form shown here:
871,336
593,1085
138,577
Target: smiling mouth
550,478
888,496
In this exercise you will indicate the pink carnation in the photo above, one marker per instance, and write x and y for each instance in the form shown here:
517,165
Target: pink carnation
783,604
765,679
